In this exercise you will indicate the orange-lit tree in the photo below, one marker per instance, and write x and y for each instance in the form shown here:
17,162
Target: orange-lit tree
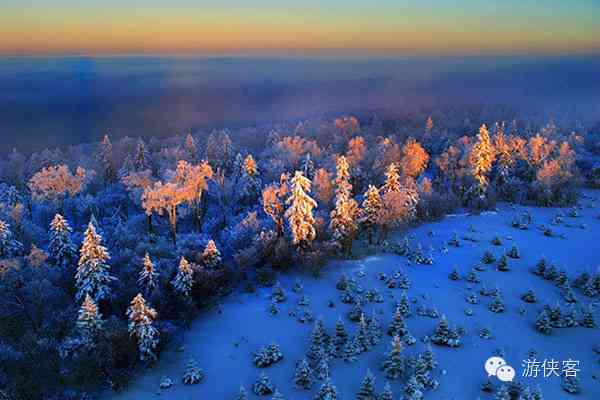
300,211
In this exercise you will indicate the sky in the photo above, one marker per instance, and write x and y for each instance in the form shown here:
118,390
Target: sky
315,27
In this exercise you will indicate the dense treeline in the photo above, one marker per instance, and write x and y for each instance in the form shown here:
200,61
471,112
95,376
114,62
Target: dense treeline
106,250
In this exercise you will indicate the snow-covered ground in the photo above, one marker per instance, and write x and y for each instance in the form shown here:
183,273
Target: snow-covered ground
222,341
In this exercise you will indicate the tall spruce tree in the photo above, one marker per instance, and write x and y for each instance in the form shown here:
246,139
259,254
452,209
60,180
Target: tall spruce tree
93,275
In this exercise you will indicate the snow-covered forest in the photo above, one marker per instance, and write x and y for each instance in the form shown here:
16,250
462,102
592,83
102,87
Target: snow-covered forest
109,251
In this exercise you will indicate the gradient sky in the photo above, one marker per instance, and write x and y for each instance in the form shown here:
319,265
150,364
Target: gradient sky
320,27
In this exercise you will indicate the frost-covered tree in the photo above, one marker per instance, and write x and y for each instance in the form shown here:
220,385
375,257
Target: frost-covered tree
371,206
343,217
141,160
327,391
413,389
308,166
322,187
318,341
163,198
394,363
193,373
414,159
387,393
263,385
392,180
105,158
300,211
211,256
184,279
481,158
191,151
367,388
429,125
242,394
250,183
54,183
93,275
340,338
141,326
273,200
89,321
9,246
148,275
303,375
62,249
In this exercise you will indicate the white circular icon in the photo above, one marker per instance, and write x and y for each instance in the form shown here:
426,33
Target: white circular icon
505,373
492,364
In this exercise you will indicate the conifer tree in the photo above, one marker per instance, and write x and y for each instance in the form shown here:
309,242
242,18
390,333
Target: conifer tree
148,275
263,385
211,256
9,246
141,326
371,209
193,373
341,337
308,166
318,341
277,396
412,390
62,249
300,211
362,335
190,149
343,217
394,363
327,391
367,388
184,279
481,159
392,181
141,161
273,199
93,273
242,394
105,159
89,321
303,376
387,393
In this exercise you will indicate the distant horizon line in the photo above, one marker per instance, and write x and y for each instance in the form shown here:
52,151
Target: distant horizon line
308,55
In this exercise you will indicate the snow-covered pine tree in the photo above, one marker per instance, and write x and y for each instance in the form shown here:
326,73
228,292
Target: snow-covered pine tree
394,363
184,279
481,158
250,183
141,325
371,206
343,217
374,328
423,374
242,394
327,391
429,358
277,395
367,388
341,337
362,334
193,373
413,390
321,370
300,211
148,275
9,246
392,181
318,341
62,249
141,160
303,376
263,385
387,393
191,151
93,273
105,159
308,166
89,321
211,256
